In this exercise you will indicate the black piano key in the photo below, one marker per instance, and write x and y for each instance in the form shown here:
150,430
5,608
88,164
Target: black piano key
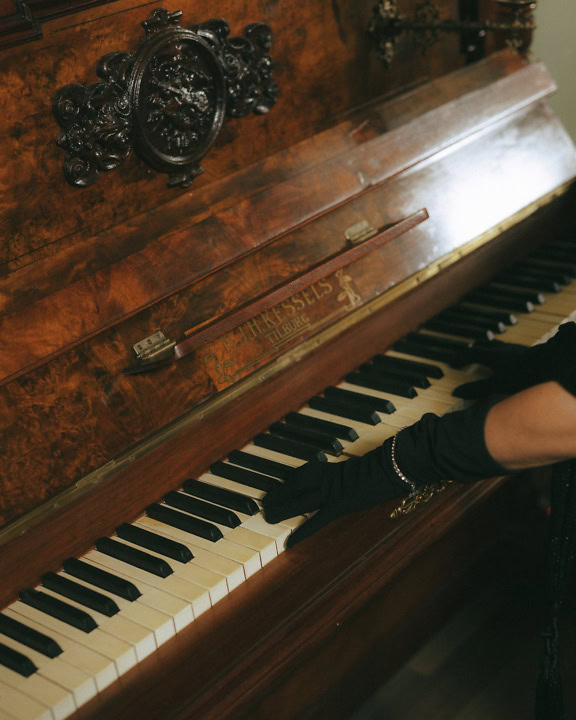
451,327
485,323
81,594
438,342
289,447
156,543
28,636
410,377
320,440
493,299
16,661
227,498
202,509
533,273
396,383
260,464
102,579
185,522
564,245
471,311
340,431
535,298
356,398
556,253
516,280
375,382
244,476
427,369
555,265
134,557
333,407
424,351
539,273
58,609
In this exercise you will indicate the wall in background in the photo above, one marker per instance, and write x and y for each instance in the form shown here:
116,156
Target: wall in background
555,43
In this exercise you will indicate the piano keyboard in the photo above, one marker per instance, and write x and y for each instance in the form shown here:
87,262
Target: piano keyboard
68,639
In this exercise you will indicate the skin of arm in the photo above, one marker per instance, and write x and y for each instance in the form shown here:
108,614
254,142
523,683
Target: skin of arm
534,427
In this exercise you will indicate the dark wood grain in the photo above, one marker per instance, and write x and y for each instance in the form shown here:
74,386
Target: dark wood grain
316,56
123,495
86,274
196,339
17,24
76,310
91,412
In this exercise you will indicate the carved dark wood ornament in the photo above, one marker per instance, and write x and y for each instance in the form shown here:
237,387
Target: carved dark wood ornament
166,101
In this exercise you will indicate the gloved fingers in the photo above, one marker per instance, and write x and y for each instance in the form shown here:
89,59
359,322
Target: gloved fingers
496,355
476,389
303,478
315,523
280,508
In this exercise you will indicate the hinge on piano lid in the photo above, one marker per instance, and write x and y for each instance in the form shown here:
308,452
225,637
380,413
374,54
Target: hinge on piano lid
152,353
359,232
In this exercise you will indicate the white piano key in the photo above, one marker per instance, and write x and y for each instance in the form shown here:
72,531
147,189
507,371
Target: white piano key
198,597
161,624
249,559
52,696
279,533
458,375
360,427
265,545
73,679
559,304
141,639
101,668
120,652
20,706
232,571
409,407
177,608
215,584
273,455
225,484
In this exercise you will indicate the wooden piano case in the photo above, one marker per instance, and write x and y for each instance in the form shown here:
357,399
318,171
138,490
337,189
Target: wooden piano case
470,159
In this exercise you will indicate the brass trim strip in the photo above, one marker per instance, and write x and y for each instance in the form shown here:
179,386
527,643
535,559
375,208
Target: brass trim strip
87,483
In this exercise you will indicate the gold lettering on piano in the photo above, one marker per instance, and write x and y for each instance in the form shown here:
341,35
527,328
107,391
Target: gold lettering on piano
257,340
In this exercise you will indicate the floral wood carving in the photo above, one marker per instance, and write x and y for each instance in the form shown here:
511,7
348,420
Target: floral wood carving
167,101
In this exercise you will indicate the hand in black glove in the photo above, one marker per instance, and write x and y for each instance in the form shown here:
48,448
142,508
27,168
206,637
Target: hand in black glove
517,367
334,489
429,452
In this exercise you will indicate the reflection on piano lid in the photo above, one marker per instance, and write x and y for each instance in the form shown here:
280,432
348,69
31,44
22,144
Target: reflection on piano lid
138,571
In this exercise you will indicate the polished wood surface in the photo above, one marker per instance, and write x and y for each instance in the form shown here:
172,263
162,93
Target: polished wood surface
86,274
437,154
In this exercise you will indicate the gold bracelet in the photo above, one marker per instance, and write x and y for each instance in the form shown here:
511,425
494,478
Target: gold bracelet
419,497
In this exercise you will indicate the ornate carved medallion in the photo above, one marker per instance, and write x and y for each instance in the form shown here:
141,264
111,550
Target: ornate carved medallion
167,100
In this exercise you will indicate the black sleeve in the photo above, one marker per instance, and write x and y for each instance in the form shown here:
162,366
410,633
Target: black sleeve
562,357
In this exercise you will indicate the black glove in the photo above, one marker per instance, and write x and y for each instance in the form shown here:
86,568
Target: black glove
433,450
334,489
517,367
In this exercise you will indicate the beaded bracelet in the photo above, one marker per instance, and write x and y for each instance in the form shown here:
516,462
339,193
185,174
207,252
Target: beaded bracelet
417,496
411,484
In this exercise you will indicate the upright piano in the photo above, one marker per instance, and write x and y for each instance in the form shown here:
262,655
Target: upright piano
172,344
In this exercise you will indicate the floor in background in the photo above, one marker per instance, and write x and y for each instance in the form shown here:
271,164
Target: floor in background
482,665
